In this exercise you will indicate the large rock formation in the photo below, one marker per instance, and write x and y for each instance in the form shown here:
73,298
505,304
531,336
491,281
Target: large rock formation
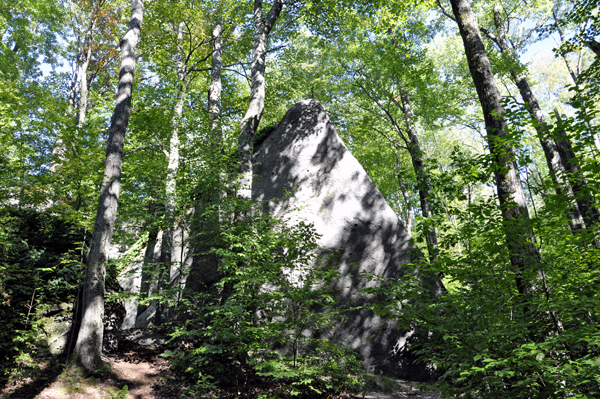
304,170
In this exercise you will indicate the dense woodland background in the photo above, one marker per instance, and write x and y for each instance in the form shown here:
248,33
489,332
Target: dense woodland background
502,201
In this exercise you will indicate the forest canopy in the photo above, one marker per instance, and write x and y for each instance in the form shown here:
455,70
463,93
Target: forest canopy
478,122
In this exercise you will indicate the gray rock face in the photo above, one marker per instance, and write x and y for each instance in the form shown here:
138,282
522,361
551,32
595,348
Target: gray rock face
303,170
130,280
56,326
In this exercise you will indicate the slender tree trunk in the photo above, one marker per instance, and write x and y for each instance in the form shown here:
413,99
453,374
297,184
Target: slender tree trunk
553,159
83,88
563,55
214,111
524,256
411,138
58,152
214,90
89,340
256,106
407,202
149,283
168,258
583,196
416,155
584,200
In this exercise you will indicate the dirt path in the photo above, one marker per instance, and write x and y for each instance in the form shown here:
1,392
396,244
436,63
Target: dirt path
138,372
139,378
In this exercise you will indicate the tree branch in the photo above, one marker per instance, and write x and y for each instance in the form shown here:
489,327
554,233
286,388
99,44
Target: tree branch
391,140
385,111
445,12
141,149
273,15
164,150
526,37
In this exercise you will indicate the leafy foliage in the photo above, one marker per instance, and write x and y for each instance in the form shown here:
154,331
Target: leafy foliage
491,341
272,293
487,340
40,265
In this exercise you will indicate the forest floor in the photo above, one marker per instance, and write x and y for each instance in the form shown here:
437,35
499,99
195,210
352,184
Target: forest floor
139,372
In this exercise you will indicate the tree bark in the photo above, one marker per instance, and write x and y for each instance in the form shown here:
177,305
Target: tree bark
407,202
83,88
168,258
583,196
416,155
89,340
553,159
214,90
524,256
262,28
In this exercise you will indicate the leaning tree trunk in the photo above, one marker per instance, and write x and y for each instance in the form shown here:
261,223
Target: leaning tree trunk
416,155
409,214
256,106
583,197
411,138
89,340
524,256
556,166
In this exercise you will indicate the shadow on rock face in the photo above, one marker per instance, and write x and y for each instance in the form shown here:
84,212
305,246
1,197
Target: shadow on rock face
303,170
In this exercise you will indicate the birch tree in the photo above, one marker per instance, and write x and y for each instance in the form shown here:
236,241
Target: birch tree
263,24
88,347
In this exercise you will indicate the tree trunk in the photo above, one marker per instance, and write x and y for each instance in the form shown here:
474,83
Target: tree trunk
411,140
168,259
214,112
59,149
89,340
583,196
553,159
562,54
416,155
83,88
214,90
257,93
524,256
594,46
407,202
148,283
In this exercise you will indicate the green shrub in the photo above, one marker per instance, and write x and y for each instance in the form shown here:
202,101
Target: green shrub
39,266
273,294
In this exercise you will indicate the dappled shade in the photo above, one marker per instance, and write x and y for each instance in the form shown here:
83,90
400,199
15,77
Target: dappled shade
304,171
